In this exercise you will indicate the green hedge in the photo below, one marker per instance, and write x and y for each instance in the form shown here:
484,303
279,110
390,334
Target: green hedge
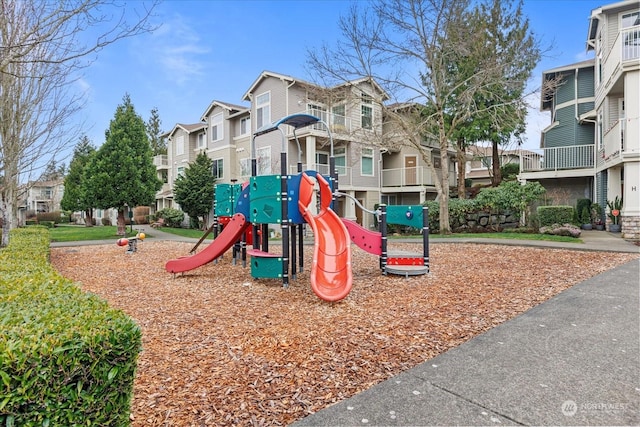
66,357
549,215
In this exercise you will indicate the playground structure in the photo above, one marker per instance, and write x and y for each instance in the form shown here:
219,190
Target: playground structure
243,213
131,242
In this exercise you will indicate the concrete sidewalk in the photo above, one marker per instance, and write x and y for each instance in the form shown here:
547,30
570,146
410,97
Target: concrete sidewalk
573,360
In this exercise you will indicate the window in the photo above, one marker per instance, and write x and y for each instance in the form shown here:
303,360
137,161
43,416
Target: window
600,131
245,125
180,171
201,140
631,48
340,154
263,161
263,110
218,168
366,162
322,162
217,130
631,19
245,167
180,145
367,117
437,163
487,162
338,115
388,199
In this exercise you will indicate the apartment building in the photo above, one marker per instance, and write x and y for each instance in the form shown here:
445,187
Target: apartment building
479,166
352,112
592,146
39,197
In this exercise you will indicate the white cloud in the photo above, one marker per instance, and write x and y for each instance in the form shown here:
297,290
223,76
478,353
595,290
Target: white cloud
179,51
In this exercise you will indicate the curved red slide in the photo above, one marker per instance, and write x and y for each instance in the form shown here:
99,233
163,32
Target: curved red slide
367,240
331,276
229,235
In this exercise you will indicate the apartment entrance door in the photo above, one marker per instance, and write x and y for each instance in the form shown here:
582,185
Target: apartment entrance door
411,170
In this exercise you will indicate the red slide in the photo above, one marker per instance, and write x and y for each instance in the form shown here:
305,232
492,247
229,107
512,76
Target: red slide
229,235
331,277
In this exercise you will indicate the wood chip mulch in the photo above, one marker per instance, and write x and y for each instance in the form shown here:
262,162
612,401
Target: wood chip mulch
221,348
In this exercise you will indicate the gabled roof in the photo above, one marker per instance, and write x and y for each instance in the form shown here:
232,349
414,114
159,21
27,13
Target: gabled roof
232,108
594,19
265,74
187,128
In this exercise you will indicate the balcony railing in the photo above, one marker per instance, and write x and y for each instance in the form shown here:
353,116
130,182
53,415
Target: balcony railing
625,48
613,141
345,176
161,161
409,177
559,158
336,122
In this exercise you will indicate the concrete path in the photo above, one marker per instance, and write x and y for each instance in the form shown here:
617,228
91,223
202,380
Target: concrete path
573,360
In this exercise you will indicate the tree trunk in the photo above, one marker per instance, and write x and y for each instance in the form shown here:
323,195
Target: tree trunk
496,177
88,218
122,227
445,225
461,159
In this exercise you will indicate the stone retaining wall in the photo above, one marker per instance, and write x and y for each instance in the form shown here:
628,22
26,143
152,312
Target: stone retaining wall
481,222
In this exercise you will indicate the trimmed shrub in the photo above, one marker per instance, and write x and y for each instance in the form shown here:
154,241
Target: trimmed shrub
66,357
549,215
55,217
561,230
106,221
173,217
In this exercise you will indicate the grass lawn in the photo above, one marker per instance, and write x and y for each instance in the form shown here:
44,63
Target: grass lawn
73,233
196,234
70,233
509,235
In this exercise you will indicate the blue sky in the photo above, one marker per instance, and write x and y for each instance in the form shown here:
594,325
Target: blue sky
206,50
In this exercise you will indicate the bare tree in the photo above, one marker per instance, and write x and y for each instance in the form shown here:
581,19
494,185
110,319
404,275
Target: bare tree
42,49
409,47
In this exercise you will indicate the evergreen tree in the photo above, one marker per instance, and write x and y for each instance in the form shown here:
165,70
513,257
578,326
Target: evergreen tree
74,197
194,190
52,171
122,173
154,132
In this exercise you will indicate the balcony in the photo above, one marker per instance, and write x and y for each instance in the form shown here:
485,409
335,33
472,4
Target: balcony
625,50
161,161
559,158
411,177
337,123
345,174
613,142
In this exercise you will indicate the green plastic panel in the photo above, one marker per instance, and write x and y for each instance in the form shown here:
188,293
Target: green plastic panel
410,215
266,199
226,196
266,268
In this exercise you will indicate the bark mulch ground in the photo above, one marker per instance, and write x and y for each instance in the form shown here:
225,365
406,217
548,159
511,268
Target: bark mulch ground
221,348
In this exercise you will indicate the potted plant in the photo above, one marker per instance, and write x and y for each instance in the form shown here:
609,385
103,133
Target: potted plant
615,207
585,219
596,215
